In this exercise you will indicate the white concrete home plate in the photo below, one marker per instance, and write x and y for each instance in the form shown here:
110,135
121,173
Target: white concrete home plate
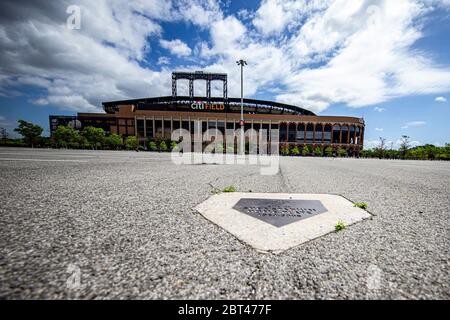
274,222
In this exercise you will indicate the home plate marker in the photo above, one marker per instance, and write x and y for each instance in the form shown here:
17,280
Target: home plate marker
274,222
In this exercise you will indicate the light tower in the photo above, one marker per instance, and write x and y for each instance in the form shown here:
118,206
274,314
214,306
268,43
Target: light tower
242,63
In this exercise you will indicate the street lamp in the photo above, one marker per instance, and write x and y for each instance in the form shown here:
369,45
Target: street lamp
242,63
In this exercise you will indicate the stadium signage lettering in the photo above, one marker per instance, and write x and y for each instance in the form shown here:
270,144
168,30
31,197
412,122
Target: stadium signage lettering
200,105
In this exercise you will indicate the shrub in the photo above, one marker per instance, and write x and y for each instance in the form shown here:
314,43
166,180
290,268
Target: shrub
295,151
318,152
131,142
329,152
152,146
284,150
163,146
173,146
113,141
341,152
305,151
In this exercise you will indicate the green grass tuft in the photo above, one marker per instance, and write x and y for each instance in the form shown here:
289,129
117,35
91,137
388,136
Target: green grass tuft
339,226
361,205
229,189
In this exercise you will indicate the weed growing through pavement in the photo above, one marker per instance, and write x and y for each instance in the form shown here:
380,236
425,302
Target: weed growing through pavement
361,205
339,226
229,189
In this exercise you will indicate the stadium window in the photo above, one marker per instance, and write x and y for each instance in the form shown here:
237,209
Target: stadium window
292,133
301,133
318,134
327,134
309,133
149,128
336,134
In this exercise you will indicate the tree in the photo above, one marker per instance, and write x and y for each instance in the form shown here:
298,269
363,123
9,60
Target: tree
29,131
329,152
131,142
404,146
3,135
94,136
318,152
381,148
65,136
113,141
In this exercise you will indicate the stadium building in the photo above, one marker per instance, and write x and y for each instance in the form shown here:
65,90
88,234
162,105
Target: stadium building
156,118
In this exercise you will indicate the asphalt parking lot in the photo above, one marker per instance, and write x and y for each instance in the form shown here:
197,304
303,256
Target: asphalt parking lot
124,221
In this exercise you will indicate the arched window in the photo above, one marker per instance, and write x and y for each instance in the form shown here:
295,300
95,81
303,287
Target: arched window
336,133
327,134
352,134
358,134
283,132
292,132
318,133
301,133
344,134
310,133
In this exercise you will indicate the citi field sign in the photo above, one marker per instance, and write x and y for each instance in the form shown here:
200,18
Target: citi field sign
201,105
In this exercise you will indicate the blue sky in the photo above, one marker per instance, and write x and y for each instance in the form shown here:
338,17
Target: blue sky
386,61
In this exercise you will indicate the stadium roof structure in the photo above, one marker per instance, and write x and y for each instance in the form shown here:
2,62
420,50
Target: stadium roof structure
184,103
232,105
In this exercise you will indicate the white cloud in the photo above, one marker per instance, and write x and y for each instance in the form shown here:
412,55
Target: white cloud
311,53
389,144
440,99
379,129
176,47
366,56
414,124
163,60
273,16
378,109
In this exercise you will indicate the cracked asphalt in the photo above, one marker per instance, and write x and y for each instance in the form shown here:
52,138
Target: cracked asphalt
121,225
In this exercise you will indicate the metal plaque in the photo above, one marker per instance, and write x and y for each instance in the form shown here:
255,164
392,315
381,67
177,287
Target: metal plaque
279,212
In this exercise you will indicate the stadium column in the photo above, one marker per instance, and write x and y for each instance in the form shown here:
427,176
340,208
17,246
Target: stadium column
332,134
340,133
348,133
314,133
287,132
191,88
208,89
362,136
145,130
305,129
154,129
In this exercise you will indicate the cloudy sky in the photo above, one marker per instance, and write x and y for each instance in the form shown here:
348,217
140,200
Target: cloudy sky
387,61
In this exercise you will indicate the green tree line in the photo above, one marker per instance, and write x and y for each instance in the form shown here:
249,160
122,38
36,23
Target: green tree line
406,152
96,138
